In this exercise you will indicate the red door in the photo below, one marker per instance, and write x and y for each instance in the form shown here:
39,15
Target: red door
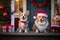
16,23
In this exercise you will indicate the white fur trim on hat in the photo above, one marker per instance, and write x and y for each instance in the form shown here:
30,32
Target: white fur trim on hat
34,17
40,14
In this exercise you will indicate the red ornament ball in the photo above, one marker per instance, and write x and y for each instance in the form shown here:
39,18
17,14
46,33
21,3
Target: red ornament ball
1,7
5,14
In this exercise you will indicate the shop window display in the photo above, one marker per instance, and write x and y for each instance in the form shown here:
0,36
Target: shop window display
23,20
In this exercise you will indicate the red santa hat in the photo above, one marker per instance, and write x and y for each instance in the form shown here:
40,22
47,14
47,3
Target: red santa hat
40,13
57,15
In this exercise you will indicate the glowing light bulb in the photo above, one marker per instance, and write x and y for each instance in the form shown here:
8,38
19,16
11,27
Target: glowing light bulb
17,0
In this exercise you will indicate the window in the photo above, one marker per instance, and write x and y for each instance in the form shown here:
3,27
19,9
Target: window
18,6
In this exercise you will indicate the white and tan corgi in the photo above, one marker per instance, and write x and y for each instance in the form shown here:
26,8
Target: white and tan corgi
23,22
41,21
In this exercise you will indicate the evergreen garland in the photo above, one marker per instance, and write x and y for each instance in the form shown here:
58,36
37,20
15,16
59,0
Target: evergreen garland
7,8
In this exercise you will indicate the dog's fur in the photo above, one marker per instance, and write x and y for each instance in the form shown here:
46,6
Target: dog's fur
23,22
41,24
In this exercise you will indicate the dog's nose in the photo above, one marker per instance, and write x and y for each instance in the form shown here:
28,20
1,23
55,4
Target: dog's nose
41,20
23,17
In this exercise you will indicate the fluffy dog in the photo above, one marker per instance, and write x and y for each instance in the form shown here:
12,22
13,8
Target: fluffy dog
23,23
55,24
56,20
41,21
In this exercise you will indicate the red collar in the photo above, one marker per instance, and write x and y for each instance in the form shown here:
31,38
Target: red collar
25,22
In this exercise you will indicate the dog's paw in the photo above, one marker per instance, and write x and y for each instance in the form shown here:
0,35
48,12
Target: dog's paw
20,30
36,31
45,31
26,31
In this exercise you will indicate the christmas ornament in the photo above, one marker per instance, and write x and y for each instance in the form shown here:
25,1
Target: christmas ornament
55,25
41,21
40,4
5,14
1,7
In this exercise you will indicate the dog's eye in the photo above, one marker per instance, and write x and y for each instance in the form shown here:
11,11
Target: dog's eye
24,14
43,17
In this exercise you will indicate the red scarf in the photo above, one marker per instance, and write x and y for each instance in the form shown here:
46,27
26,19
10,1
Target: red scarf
25,22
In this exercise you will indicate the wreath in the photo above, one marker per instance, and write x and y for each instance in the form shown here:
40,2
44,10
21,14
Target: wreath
40,4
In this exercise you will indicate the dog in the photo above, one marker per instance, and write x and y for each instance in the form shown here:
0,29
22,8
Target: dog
56,20
55,24
41,23
23,23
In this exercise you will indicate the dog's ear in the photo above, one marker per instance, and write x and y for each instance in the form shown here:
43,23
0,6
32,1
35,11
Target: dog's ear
46,19
20,13
27,13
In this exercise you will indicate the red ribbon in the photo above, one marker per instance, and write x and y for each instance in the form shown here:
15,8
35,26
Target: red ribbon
25,22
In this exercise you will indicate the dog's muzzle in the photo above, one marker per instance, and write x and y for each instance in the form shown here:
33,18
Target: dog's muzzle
41,20
24,18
